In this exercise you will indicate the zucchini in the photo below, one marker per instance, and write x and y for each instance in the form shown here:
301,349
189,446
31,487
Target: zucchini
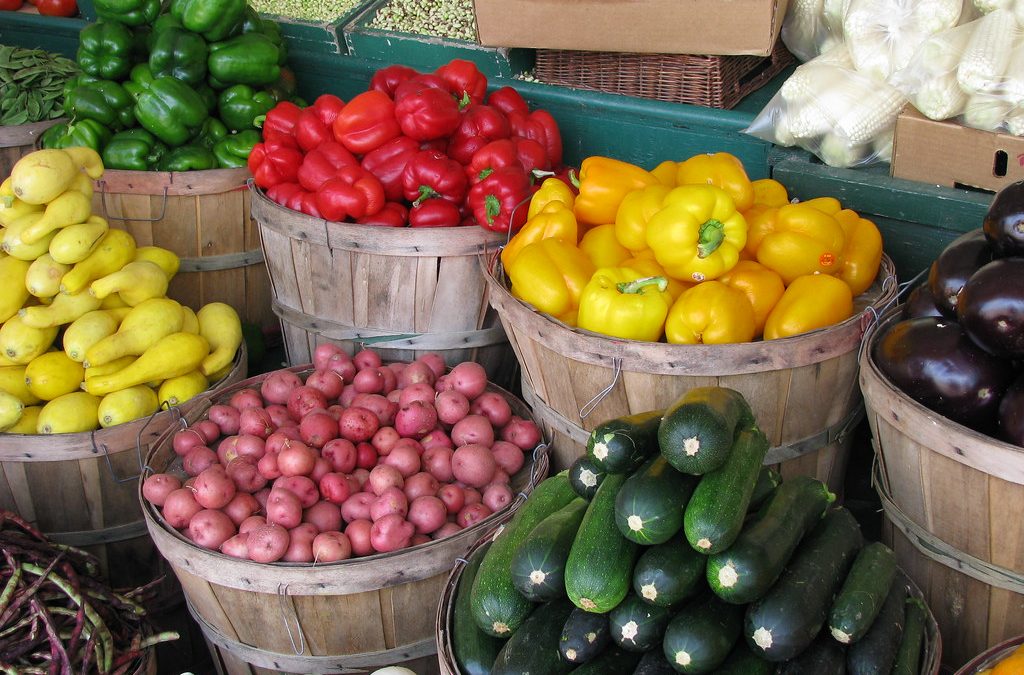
654,663
584,636
742,661
767,480
667,574
649,507
600,566
621,444
585,475
497,607
908,658
697,431
473,649
861,597
637,626
825,656
699,638
534,647
786,620
748,568
612,661
714,515
875,653
538,564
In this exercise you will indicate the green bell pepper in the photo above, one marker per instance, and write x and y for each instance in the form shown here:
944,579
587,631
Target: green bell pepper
246,59
139,81
212,132
209,97
128,12
240,105
105,50
179,53
213,19
188,158
272,30
73,83
80,133
233,151
104,101
170,110
251,20
133,150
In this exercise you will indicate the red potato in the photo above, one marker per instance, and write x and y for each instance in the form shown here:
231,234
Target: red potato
323,353
358,424
250,523
384,439
280,438
494,407
497,496
279,385
469,378
284,508
357,506
304,400
157,486
446,530
348,394
391,533
267,543
418,391
453,497
262,497
472,495
300,544
509,457
409,443
209,430
245,398
341,453
279,416
267,466
296,459
226,418
247,446
179,507
500,477
405,458
379,405
390,380
210,528
437,439
214,489
302,487
435,362
451,406
366,456
384,476
443,384
473,464
427,513
342,365
392,500
185,440
320,468
327,382
395,396
358,533
237,546
325,515
522,433
438,461
246,476
369,381
471,514
335,411
331,547
256,421
241,507
473,429
361,476
415,419
420,484
396,367
416,372
367,358
318,428
335,487
418,539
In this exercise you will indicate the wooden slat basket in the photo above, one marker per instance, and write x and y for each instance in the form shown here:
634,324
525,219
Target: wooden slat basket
990,657
19,140
348,617
803,389
204,217
953,500
403,291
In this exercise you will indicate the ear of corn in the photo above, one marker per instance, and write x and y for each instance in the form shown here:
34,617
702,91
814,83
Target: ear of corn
940,98
839,152
985,112
938,15
1015,122
1013,82
988,52
872,112
803,28
882,146
986,6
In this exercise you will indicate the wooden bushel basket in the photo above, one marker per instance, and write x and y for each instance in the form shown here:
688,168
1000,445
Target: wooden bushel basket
953,500
350,617
803,389
991,657
403,291
19,140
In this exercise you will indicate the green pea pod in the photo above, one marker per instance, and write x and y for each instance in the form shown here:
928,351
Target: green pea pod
179,53
246,59
213,19
105,50
188,158
170,110
233,151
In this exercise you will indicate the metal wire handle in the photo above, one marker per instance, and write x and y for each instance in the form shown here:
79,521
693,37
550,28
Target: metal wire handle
284,605
591,405
106,211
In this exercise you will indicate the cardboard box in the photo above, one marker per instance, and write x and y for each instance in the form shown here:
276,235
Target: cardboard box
714,27
952,155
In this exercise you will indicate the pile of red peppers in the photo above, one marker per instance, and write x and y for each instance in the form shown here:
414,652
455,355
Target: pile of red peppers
415,149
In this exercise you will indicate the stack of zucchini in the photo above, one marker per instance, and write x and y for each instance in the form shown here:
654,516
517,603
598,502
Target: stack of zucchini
668,548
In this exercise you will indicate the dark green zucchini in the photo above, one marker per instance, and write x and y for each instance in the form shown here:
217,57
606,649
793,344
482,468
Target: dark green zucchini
612,661
669,573
908,657
621,444
825,656
742,661
534,647
649,507
585,475
697,431
637,626
584,636
654,663
767,480
863,592
715,513
473,649
538,564
752,564
875,653
785,621
699,638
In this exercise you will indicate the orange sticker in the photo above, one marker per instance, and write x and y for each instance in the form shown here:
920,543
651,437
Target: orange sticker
827,260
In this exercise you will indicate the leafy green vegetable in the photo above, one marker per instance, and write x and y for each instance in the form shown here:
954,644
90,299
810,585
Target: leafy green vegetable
32,84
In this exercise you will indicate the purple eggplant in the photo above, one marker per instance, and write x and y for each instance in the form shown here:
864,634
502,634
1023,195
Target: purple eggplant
1011,413
961,258
990,307
932,360
1004,221
920,302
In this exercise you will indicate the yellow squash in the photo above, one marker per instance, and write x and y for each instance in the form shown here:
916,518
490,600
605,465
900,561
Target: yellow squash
53,374
39,177
166,260
115,250
21,343
177,390
126,405
87,330
64,309
43,277
27,423
136,282
74,243
12,380
69,414
141,328
220,325
11,408
13,273
173,355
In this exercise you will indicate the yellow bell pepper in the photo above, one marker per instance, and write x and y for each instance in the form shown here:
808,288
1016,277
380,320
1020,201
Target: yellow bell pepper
862,254
801,240
810,302
602,247
710,313
622,303
721,170
603,182
829,205
666,173
636,209
550,275
645,264
762,286
551,190
553,221
698,234
760,221
769,192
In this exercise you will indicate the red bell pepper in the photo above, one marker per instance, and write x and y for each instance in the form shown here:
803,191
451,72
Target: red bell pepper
499,154
388,162
417,83
310,131
280,120
428,114
366,122
438,145
464,80
387,79
541,127
500,201
480,125
11,5
531,154
435,212
274,161
392,215
328,107
433,174
352,193
323,163
57,7
283,192
304,201
508,100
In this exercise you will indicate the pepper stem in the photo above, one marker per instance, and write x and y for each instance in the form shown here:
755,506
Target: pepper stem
710,237
492,207
426,192
574,179
465,100
638,285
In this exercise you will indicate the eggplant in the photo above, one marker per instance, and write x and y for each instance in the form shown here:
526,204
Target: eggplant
920,302
961,258
1011,413
1004,221
932,360
990,307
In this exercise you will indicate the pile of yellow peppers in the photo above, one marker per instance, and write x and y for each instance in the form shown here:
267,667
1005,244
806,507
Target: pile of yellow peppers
691,251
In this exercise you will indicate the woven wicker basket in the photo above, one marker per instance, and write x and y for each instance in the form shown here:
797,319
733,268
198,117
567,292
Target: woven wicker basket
712,81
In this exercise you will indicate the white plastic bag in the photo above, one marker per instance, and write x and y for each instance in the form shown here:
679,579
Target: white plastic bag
882,35
929,81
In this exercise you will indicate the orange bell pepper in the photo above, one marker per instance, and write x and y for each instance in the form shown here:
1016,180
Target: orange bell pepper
862,254
800,240
769,192
721,170
810,302
666,172
551,190
603,182
550,274
710,313
762,286
553,221
602,247
636,209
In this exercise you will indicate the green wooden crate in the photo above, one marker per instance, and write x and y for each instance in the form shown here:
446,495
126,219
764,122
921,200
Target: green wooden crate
425,52
323,37
53,33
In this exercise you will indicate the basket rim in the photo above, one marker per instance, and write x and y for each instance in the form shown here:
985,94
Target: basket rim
986,658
